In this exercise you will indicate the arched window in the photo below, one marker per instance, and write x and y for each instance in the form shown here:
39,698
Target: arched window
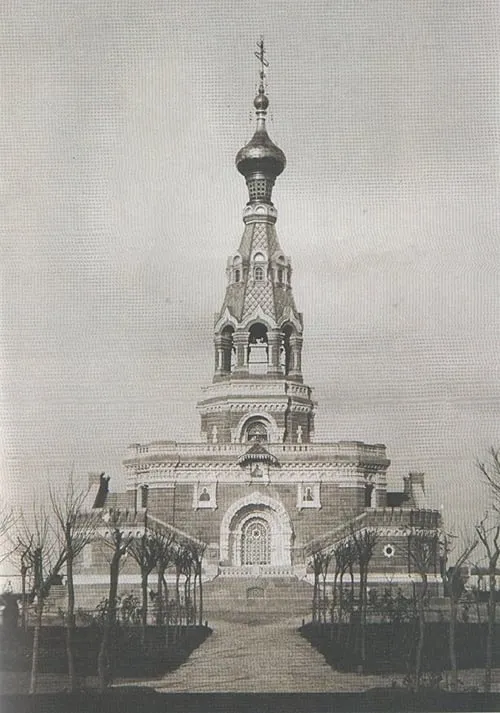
257,430
227,349
259,264
286,352
237,275
256,542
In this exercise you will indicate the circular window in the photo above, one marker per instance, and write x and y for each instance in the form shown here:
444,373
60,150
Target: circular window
389,551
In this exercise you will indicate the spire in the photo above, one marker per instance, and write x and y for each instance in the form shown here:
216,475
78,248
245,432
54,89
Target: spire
260,161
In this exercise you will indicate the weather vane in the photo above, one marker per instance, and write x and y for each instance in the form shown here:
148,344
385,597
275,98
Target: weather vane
261,57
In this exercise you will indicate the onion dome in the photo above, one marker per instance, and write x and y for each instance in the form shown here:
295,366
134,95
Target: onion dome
260,161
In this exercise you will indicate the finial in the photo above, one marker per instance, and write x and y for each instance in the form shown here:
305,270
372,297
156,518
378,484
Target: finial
261,102
260,161
263,63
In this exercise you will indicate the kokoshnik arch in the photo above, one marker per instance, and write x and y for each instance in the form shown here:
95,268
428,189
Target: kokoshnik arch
257,488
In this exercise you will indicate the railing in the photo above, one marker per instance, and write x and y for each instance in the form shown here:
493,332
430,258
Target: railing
404,518
256,570
241,388
341,449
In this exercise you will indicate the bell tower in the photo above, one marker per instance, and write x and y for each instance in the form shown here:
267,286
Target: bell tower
257,392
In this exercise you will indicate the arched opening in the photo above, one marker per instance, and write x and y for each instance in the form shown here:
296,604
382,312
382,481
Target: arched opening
256,430
286,351
237,269
256,506
369,495
258,350
228,349
256,542
259,267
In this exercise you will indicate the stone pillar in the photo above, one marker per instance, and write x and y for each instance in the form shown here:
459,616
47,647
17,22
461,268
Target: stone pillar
274,343
296,356
240,340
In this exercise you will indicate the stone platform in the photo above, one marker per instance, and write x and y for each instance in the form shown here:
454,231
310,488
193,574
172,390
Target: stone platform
251,598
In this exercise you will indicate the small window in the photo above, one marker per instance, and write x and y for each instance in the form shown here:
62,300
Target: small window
237,275
144,496
259,274
280,275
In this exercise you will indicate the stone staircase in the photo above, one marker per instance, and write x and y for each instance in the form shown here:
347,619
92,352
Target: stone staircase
256,599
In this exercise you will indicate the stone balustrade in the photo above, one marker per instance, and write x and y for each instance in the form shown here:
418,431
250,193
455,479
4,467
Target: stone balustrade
259,570
341,449
234,388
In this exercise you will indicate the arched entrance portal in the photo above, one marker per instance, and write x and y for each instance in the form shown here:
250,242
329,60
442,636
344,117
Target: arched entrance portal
256,542
256,530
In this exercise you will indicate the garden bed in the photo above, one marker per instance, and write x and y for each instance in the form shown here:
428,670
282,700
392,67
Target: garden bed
392,647
164,649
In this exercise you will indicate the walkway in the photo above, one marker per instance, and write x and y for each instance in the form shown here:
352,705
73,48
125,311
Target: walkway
259,658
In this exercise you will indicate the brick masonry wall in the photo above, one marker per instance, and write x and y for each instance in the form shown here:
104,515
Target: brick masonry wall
175,505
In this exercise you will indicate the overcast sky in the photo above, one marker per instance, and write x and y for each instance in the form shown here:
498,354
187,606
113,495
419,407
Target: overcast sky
119,124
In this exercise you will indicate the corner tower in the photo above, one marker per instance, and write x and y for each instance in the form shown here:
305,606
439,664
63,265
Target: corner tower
258,392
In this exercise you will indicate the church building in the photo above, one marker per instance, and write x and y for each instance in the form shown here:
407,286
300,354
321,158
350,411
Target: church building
257,488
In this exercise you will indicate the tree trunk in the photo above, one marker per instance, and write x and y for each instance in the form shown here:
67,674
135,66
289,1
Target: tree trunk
315,596
24,617
104,663
35,659
159,610
70,622
452,642
362,612
341,605
178,600
324,597
421,632
144,610
195,611
200,598
491,631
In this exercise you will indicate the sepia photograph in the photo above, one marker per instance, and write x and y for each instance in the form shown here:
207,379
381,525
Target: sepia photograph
249,355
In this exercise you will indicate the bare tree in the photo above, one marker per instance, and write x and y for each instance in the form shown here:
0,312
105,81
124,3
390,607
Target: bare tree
317,566
77,529
165,549
455,586
364,542
423,550
489,535
197,552
45,555
145,552
8,520
345,557
117,539
187,571
490,469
